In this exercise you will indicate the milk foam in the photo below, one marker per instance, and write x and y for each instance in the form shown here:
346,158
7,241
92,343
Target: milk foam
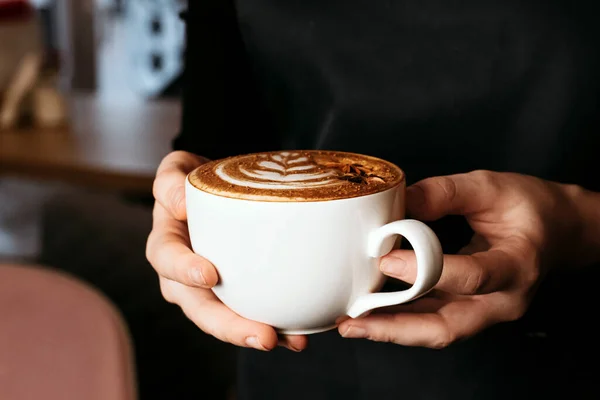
307,175
279,171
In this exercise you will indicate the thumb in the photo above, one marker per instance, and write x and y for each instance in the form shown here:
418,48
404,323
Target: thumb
462,194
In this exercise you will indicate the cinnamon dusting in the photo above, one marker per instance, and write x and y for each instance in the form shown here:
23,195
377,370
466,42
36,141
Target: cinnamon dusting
354,172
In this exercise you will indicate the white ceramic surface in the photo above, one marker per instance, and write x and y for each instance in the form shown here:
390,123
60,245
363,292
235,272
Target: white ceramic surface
298,266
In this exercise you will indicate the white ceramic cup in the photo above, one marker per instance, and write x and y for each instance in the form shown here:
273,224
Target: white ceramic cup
299,266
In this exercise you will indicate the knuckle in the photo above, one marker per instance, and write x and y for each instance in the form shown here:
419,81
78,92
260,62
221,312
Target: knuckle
573,191
516,311
165,260
532,275
169,191
181,161
179,155
150,253
175,158
486,179
511,306
384,336
167,291
174,199
385,333
477,281
448,186
526,262
443,339
156,187
484,176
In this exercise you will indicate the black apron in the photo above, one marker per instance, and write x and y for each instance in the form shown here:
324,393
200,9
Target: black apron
437,87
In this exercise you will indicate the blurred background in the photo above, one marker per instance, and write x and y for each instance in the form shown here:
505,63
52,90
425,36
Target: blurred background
89,104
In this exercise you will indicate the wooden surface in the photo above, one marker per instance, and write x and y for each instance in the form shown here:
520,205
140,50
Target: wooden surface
108,145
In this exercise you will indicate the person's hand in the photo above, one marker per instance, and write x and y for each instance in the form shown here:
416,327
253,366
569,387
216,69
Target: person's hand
186,278
521,225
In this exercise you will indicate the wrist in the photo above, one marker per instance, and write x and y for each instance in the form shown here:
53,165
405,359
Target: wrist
586,206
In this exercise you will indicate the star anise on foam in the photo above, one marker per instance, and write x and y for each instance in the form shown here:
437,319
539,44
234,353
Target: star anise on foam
354,172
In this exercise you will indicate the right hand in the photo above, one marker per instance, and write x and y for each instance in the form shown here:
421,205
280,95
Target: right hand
185,277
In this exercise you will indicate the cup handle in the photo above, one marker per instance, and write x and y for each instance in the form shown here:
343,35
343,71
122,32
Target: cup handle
428,251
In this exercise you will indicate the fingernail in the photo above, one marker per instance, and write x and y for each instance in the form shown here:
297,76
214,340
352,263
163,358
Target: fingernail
253,341
354,332
395,266
415,197
290,347
197,277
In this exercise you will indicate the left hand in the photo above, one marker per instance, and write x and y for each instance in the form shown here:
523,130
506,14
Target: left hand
521,223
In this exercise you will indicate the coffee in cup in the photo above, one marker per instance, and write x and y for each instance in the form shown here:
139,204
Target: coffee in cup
296,236
296,176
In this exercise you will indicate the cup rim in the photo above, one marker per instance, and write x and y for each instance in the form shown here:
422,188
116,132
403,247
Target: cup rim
400,181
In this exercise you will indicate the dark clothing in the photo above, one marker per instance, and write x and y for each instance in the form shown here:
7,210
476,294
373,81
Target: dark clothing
437,87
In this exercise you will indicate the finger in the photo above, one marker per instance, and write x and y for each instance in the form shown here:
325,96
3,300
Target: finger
293,342
203,308
473,274
169,185
168,250
461,194
455,321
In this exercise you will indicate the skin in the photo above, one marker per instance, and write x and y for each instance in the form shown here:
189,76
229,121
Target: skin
186,278
522,225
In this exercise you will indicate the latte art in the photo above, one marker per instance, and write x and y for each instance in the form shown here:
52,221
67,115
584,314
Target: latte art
296,176
282,171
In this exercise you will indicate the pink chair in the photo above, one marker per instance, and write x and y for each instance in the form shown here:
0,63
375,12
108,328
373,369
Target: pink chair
60,340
